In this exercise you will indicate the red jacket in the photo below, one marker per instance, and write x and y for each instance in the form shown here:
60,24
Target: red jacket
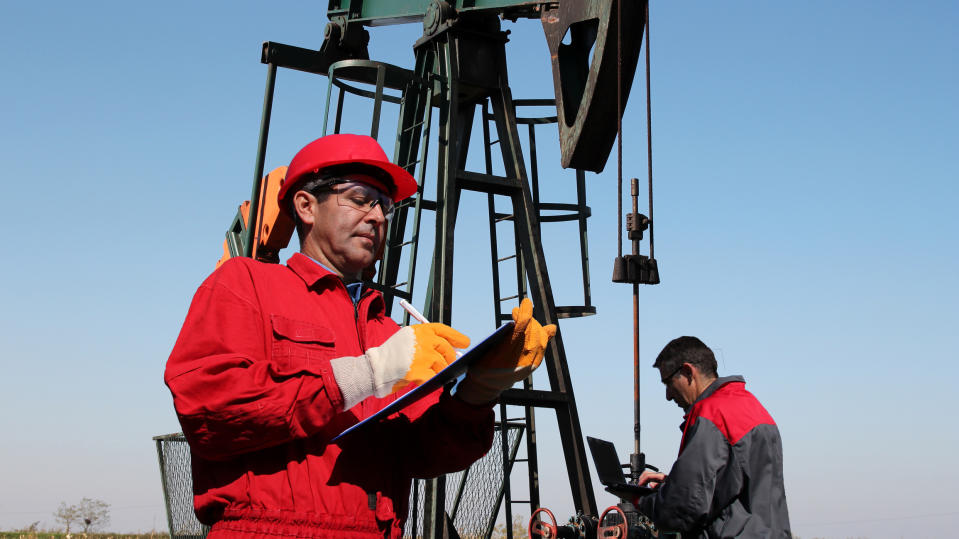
253,389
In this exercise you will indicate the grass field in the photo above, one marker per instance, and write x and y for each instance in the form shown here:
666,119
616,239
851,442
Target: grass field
61,535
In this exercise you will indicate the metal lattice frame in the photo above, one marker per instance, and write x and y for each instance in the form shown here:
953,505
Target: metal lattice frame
473,496
175,472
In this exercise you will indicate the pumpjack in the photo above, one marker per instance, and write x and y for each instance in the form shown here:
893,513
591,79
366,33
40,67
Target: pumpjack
460,73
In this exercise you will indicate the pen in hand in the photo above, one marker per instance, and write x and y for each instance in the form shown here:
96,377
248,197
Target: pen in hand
418,316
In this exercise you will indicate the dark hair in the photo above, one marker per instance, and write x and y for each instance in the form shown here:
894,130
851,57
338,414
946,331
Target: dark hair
686,350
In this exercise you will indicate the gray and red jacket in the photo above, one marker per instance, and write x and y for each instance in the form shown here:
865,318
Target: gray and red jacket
728,478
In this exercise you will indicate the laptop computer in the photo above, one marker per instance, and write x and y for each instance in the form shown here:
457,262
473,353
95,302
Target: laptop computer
611,471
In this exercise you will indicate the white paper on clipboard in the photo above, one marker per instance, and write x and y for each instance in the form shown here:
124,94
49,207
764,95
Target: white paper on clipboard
451,372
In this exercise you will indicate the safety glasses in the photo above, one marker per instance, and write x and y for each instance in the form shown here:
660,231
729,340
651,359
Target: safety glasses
666,379
361,197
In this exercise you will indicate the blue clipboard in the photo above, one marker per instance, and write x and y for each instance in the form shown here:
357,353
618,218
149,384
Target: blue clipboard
451,372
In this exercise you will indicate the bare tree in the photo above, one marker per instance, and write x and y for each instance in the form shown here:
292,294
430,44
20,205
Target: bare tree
94,514
519,528
67,515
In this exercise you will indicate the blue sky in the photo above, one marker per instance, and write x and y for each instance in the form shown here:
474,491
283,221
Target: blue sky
806,175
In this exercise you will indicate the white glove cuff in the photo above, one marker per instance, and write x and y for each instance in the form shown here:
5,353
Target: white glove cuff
354,375
391,360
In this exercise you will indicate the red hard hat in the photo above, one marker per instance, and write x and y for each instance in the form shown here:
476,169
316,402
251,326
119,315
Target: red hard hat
339,150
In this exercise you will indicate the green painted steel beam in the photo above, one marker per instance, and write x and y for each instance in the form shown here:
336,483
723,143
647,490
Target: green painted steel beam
385,12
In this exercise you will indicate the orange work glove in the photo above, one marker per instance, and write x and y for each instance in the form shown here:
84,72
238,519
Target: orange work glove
511,361
411,356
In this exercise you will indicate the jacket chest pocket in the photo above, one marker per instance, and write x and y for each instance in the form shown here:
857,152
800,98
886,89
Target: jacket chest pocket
301,346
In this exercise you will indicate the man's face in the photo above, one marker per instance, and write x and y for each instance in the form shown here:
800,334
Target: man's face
344,238
679,386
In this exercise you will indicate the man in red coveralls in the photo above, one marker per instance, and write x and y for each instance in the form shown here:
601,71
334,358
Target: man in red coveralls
728,479
273,361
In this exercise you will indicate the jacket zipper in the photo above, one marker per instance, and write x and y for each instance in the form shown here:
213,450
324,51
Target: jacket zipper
356,324
356,320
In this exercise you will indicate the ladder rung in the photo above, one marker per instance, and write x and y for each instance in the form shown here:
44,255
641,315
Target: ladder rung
404,244
399,284
505,218
509,298
519,501
534,397
488,183
575,311
405,294
414,126
505,258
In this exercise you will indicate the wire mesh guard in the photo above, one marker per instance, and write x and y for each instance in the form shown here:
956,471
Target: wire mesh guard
473,496
174,455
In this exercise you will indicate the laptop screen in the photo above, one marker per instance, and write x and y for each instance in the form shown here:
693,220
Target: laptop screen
607,463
